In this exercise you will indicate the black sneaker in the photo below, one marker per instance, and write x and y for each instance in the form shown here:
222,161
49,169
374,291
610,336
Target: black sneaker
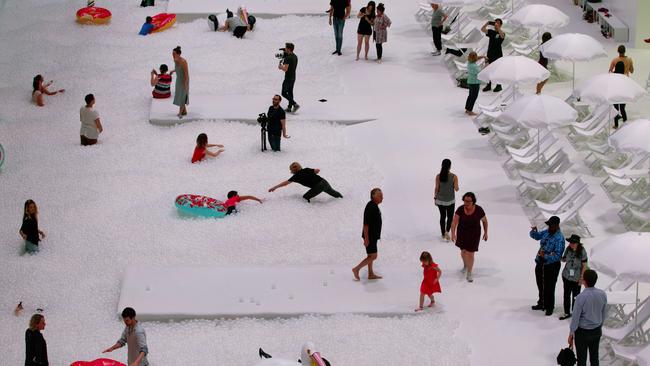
549,312
295,108
288,109
497,89
565,316
484,130
537,307
487,88
335,52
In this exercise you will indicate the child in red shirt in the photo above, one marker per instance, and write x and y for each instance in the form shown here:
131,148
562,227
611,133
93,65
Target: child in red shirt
201,149
234,198
430,283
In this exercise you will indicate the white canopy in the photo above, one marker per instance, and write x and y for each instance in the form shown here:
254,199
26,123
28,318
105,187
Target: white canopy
540,16
634,135
539,111
610,88
572,47
624,256
514,70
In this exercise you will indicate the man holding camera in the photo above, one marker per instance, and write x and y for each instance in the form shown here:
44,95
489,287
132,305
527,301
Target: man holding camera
547,263
288,66
494,51
276,123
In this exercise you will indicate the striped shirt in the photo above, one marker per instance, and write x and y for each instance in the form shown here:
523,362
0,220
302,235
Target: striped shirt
163,87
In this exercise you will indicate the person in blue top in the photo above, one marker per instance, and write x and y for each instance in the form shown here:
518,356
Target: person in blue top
147,27
547,263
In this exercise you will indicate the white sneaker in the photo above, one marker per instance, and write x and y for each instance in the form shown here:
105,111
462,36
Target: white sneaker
464,270
469,277
446,236
436,53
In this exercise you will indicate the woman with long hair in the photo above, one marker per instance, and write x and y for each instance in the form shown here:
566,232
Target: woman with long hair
366,21
35,346
29,229
182,92
39,88
445,196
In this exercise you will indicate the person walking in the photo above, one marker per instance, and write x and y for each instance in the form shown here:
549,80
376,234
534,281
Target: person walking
466,231
621,65
589,310
91,125
366,21
438,17
494,51
575,257
338,13
547,263
29,229
430,282
134,337
473,83
445,197
35,346
308,177
543,61
371,234
182,91
288,66
276,127
382,23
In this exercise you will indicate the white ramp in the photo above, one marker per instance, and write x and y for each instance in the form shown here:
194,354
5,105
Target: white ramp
184,8
246,108
164,293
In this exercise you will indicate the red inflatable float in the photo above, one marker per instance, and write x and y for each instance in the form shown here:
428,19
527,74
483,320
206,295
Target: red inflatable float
93,15
162,21
98,362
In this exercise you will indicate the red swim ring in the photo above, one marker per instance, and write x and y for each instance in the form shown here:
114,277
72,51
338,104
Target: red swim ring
162,21
98,362
93,15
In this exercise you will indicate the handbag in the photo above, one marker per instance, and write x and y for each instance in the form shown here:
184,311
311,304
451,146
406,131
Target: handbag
566,357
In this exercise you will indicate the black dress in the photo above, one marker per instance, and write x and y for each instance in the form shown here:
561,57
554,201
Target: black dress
35,349
365,23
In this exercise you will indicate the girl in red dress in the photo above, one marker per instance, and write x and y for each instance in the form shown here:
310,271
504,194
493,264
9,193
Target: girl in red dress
430,283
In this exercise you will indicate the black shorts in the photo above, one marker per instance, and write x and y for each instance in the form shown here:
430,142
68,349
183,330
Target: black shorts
372,246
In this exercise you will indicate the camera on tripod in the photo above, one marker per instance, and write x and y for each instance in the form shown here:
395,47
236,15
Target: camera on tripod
263,120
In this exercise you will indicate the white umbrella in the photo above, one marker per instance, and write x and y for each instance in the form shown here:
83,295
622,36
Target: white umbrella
624,256
573,47
540,16
610,88
539,111
634,135
515,70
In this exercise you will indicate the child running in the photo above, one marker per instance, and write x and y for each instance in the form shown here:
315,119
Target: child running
430,283
201,149
234,198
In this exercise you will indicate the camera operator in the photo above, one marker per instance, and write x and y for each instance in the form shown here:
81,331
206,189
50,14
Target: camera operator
276,123
288,66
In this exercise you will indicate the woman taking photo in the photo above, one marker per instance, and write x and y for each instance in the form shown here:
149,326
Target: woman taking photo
445,197
364,31
466,231
39,88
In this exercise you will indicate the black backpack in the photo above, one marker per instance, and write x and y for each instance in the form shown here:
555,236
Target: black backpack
566,357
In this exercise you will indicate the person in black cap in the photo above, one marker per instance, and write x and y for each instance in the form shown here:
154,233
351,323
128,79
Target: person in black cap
575,257
288,66
547,263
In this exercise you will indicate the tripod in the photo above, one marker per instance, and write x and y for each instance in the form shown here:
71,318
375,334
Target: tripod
263,138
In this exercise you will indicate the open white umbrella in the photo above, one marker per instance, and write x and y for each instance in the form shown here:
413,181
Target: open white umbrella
573,47
540,16
515,70
634,135
539,111
624,256
610,88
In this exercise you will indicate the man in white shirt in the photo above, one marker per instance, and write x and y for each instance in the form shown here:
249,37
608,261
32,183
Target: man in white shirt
91,126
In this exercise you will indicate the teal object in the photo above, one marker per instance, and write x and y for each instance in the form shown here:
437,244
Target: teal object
2,155
197,205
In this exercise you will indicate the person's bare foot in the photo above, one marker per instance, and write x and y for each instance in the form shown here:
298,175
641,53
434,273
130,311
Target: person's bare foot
471,113
366,58
357,58
419,309
374,277
355,272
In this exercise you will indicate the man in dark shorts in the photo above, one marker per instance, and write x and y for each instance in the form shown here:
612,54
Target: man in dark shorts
288,66
308,177
494,51
277,126
371,234
340,11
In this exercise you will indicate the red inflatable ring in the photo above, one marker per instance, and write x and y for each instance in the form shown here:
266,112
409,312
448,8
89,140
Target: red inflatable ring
98,362
163,21
93,15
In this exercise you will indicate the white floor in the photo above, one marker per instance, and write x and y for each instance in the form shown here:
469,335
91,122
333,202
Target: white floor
107,207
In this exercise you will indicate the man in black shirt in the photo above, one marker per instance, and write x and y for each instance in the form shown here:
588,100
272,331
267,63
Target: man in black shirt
288,66
276,126
309,178
494,51
371,234
340,11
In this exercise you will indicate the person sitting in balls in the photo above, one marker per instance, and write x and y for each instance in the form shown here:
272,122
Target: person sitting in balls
39,88
235,24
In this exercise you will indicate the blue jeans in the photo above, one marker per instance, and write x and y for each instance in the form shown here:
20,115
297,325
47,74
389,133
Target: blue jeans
338,25
30,247
274,140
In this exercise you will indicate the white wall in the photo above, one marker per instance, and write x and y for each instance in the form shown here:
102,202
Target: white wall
625,10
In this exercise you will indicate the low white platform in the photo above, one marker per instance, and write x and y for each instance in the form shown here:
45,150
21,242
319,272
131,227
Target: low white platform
246,108
165,293
183,8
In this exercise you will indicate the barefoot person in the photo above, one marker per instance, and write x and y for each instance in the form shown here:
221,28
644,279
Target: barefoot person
40,88
182,93
308,177
371,234
134,338
431,281
466,231
366,21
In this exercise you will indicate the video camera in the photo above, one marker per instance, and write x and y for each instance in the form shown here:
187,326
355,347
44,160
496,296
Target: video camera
281,56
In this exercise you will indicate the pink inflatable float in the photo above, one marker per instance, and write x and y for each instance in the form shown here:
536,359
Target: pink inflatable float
98,362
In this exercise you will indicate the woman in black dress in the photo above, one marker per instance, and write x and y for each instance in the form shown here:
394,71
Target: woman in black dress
35,346
364,31
466,231
29,229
